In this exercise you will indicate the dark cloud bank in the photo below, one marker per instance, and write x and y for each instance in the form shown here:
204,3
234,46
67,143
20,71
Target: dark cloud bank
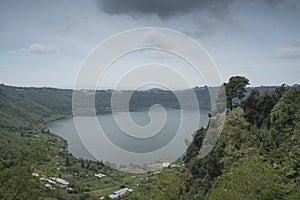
162,8
169,8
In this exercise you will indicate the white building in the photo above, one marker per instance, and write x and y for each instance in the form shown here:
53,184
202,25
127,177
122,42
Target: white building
35,175
47,185
60,181
100,175
120,192
165,164
48,180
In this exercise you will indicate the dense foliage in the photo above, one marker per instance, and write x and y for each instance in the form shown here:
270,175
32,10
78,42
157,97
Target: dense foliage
256,156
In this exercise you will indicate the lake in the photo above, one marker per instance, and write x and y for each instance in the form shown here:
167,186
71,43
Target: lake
116,145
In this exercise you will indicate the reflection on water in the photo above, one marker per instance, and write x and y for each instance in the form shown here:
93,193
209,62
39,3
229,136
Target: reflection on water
126,142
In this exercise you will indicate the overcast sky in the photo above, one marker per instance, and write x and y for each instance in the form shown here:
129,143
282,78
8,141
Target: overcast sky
43,43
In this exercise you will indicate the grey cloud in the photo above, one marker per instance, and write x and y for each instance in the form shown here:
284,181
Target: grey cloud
37,48
2,66
272,2
293,5
291,51
205,24
162,8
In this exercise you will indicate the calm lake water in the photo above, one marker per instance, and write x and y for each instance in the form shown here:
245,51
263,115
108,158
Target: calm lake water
147,145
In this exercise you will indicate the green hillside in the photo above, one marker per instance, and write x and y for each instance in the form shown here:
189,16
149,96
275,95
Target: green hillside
253,159
27,147
256,157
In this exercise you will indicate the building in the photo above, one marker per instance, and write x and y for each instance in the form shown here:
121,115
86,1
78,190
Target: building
119,193
60,181
100,175
165,164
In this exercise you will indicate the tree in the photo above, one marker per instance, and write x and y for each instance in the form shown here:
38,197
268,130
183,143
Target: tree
82,163
285,133
68,162
202,170
167,185
236,88
285,118
250,106
238,140
265,105
258,106
17,182
278,93
94,167
252,179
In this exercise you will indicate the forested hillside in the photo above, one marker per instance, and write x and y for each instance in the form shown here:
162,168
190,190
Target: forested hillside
59,101
256,157
27,147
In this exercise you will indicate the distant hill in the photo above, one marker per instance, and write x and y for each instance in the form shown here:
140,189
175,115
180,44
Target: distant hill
261,89
59,101
49,101
19,112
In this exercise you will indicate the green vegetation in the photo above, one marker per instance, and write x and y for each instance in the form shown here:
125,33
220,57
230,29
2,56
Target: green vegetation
17,181
235,88
28,147
50,100
256,156
166,185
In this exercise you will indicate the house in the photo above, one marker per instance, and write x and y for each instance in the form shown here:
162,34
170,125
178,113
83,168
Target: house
35,175
48,180
100,175
47,185
120,192
60,181
165,164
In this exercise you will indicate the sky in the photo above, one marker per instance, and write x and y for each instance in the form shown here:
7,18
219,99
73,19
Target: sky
44,43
